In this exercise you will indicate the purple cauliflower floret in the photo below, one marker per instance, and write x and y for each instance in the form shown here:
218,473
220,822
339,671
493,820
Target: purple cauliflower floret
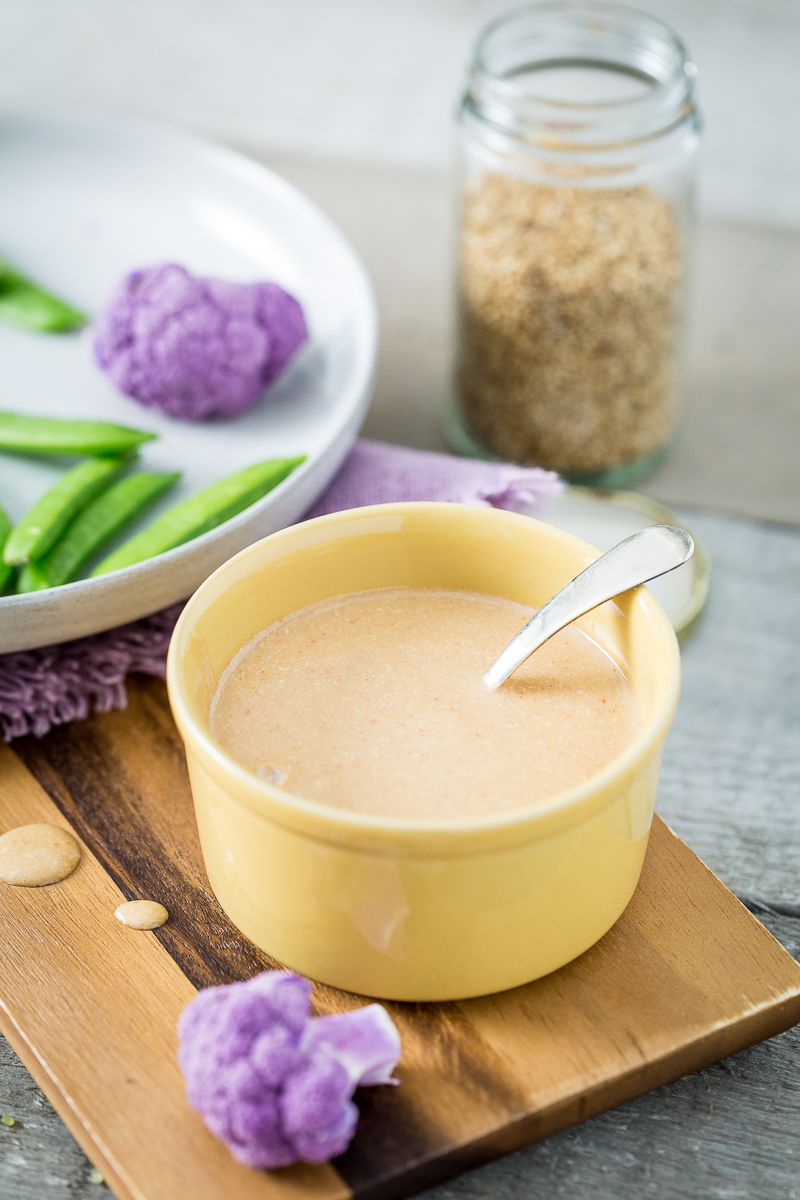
196,348
274,1083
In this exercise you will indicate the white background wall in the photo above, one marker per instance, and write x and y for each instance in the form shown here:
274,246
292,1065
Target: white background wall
376,81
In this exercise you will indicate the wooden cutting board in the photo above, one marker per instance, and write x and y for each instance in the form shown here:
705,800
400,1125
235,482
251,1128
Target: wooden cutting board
685,977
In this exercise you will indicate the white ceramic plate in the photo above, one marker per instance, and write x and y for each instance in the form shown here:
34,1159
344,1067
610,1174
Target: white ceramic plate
84,199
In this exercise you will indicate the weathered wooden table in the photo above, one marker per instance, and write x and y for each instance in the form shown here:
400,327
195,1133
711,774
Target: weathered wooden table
731,778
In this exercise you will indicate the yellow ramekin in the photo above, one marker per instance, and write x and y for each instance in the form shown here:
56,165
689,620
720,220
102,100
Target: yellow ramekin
403,909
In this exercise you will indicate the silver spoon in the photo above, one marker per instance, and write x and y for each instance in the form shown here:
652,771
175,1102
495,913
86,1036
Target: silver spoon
646,555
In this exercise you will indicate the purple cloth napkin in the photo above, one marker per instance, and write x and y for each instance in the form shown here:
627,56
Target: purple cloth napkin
56,684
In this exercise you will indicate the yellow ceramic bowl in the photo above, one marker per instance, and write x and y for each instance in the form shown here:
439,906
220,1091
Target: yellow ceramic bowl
402,909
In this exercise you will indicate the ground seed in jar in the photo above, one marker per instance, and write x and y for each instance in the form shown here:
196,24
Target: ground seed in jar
568,322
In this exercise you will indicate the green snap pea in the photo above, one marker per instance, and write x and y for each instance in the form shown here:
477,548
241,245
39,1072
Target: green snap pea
5,530
43,524
200,512
23,303
92,529
50,435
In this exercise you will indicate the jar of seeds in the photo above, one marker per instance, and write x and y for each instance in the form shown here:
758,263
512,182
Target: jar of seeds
579,139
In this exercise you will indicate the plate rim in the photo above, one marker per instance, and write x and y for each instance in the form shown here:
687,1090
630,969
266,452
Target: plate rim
359,387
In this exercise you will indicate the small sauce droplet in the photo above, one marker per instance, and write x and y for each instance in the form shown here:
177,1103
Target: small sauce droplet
142,914
36,855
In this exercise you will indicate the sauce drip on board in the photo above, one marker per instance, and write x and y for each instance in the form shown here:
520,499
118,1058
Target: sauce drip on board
142,914
37,855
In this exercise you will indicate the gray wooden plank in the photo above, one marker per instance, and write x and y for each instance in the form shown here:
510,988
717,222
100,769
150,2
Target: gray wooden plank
39,1158
730,783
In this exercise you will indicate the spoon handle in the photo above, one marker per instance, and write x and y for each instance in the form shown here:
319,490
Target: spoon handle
645,555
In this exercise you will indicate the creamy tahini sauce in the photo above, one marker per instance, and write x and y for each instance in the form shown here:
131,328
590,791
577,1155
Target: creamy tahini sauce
373,702
36,855
142,914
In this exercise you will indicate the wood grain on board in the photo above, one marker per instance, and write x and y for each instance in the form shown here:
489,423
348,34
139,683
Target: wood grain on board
685,977
91,1007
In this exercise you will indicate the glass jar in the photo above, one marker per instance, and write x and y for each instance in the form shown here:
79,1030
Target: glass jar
579,138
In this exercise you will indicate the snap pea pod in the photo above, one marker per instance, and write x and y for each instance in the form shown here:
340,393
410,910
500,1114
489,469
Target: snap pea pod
5,530
50,435
25,304
94,528
200,512
43,524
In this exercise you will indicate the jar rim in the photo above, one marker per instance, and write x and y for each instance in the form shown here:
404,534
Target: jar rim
599,34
